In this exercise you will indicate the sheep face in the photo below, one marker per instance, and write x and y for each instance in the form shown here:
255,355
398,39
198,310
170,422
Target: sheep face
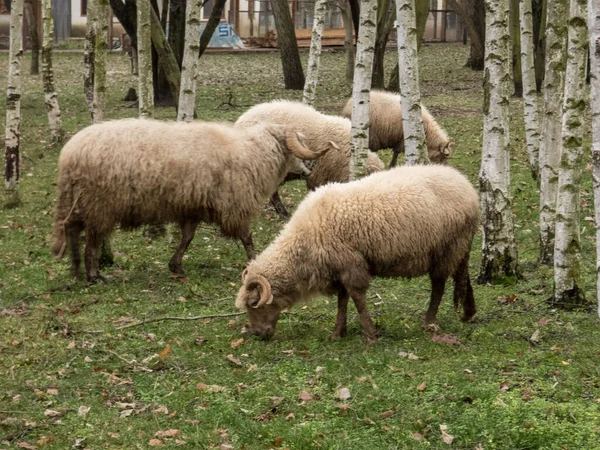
297,169
441,154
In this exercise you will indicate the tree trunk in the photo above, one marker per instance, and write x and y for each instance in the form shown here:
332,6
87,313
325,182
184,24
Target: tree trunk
568,278
355,14
539,40
550,144
211,25
30,15
12,135
530,96
408,62
594,40
499,254
101,21
177,20
288,47
359,139
348,42
385,23
472,13
89,57
166,59
314,56
187,92
515,33
50,96
144,57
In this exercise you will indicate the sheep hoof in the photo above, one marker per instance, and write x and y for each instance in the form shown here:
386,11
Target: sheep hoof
96,279
432,327
371,340
177,269
338,334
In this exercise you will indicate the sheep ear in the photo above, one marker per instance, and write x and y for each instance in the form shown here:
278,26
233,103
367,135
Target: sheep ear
244,273
334,145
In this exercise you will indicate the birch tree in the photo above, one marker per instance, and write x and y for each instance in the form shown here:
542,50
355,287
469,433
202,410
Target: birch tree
89,56
344,5
101,26
594,42
144,57
408,66
189,67
530,95
499,254
363,71
314,55
550,144
50,95
568,279
12,139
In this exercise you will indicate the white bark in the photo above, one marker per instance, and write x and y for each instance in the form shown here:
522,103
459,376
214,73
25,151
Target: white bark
594,40
89,56
12,138
499,254
50,95
530,96
568,280
144,59
348,39
314,56
550,144
101,27
189,66
363,70
408,67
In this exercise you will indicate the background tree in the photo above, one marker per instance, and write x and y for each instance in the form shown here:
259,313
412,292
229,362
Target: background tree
359,139
385,22
499,254
211,25
89,56
101,26
594,42
314,56
288,47
12,137
187,93
472,13
50,95
515,33
568,279
550,145
408,62
538,10
530,95
349,50
144,55
30,10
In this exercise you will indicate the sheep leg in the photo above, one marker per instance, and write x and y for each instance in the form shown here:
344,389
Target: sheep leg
248,245
93,240
437,291
360,302
188,230
463,291
74,237
278,205
342,313
397,150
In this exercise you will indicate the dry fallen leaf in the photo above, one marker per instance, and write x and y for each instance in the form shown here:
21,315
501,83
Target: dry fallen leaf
445,339
386,414
52,391
165,352
155,443
71,345
114,435
418,437
343,394
275,401
237,343
422,386
447,438
367,420
167,433
126,413
534,337
83,410
504,385
408,355
290,416
26,445
305,396
344,407
543,321
53,413
162,409
233,360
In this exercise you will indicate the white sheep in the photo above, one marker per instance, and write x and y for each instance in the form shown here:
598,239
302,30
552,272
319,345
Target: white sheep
405,222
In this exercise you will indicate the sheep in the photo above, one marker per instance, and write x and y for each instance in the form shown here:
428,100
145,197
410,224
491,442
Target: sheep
404,222
386,129
320,132
134,172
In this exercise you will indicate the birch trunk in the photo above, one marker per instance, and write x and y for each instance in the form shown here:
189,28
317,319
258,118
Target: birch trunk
530,96
408,72
594,40
550,144
499,254
568,279
144,60
89,57
12,138
363,70
314,56
348,41
189,67
50,95
101,21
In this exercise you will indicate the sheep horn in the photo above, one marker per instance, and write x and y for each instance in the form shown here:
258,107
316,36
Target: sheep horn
293,141
266,298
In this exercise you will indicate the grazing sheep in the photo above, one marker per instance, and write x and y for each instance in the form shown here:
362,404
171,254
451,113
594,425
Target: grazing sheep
387,132
320,132
133,172
405,222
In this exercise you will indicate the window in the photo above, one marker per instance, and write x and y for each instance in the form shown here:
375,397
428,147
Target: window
5,6
83,8
207,9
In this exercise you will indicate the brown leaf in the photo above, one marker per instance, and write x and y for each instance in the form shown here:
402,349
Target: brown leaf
53,413
343,394
277,442
543,321
535,336
418,437
233,360
275,401
237,343
386,414
422,386
447,438
508,299
200,340
155,443
445,339
367,420
344,407
71,345
167,433
26,445
52,391
305,396
83,410
408,355
504,386
113,435
165,352
290,416
162,409
202,386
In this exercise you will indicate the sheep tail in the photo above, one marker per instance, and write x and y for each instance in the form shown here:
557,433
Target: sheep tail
59,234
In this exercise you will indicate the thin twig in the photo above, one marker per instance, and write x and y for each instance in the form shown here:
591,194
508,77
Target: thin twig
131,363
160,319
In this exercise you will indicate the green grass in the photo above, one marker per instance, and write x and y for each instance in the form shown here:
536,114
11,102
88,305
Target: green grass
498,389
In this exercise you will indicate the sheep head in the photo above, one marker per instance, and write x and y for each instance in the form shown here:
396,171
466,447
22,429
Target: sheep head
294,143
441,154
255,295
